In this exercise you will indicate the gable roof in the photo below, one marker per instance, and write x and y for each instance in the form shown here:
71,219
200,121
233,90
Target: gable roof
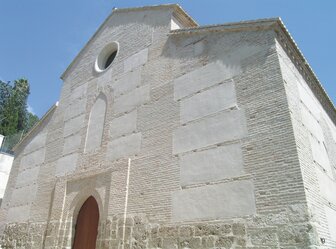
289,45
178,13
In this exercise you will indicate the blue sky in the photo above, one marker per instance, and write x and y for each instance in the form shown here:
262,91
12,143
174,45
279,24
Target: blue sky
40,38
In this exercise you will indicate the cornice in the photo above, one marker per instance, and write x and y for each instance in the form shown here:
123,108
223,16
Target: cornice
302,65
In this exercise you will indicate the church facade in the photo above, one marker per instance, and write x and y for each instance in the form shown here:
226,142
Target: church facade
173,135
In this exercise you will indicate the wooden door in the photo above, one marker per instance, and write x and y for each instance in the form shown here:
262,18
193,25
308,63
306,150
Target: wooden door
87,225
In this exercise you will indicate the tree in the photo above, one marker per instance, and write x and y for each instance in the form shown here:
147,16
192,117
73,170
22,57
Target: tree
31,121
14,116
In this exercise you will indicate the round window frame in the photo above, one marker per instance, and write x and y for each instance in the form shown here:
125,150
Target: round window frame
103,56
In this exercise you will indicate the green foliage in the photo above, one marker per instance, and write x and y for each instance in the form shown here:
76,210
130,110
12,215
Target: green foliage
14,117
31,121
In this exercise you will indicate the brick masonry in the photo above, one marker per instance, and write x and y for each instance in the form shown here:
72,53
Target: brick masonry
211,122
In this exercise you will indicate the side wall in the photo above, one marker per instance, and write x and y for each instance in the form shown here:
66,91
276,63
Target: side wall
315,135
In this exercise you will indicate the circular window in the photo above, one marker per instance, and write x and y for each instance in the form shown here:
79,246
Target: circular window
106,56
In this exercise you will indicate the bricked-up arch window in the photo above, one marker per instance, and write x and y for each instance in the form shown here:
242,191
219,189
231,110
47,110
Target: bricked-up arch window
96,124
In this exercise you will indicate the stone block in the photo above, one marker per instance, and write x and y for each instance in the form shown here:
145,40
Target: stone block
208,102
238,229
127,82
169,243
263,237
311,123
224,242
327,186
208,241
306,96
104,78
168,231
123,125
124,147
226,126
76,108
206,76
225,200
320,155
71,143
186,231
136,60
36,143
66,165
27,176
24,195
79,92
19,213
155,243
211,165
33,159
72,126
331,220
131,100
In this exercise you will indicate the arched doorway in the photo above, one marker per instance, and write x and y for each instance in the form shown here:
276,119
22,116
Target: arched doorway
87,225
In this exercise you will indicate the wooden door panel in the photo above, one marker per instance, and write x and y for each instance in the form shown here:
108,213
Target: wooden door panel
87,225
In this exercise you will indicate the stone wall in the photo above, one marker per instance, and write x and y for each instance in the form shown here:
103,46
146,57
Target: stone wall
267,231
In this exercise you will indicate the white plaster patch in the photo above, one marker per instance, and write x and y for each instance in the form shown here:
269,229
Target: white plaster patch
133,99
136,60
331,218
96,124
71,144
225,200
27,177
66,165
104,77
327,186
73,126
36,143
123,147
123,125
307,98
32,159
320,154
127,82
226,126
18,214
77,107
311,123
211,165
208,102
24,195
209,75
79,92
